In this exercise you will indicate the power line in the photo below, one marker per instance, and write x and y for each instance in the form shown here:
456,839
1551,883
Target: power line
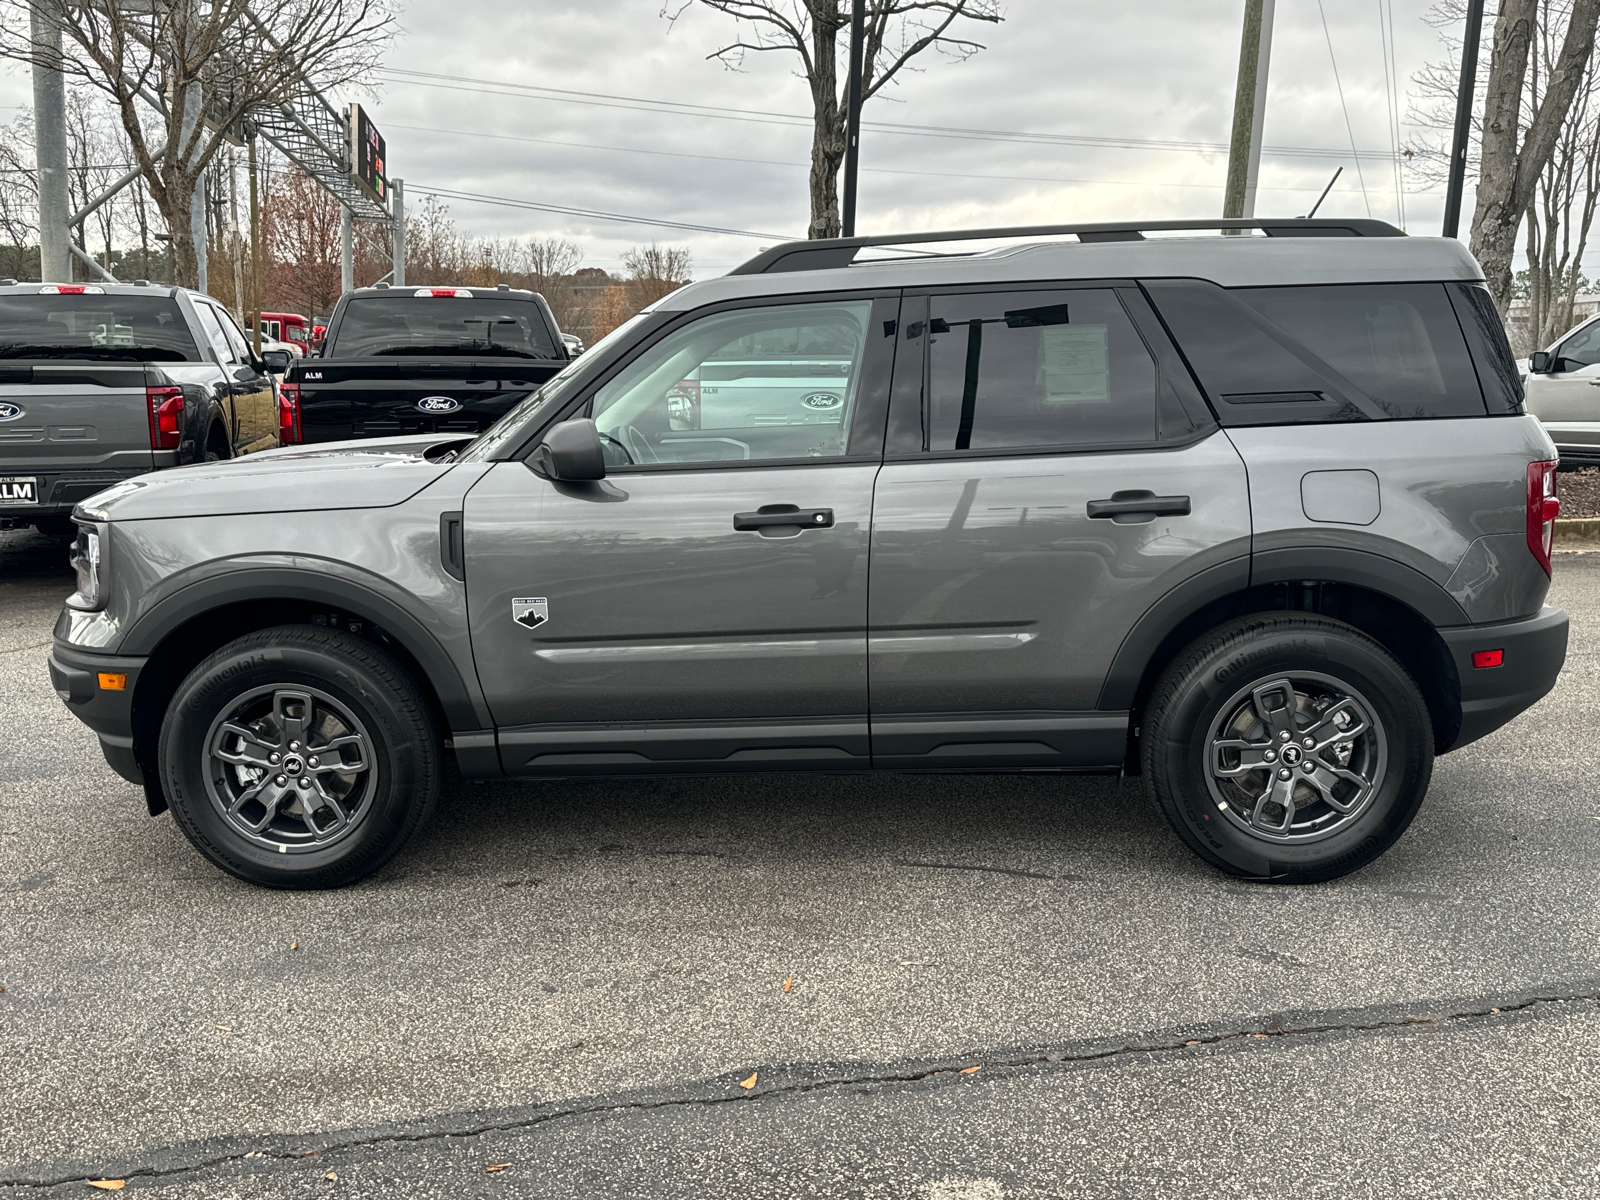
594,214
795,120
769,162
1350,129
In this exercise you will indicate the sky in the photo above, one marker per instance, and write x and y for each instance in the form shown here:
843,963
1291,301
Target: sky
1135,72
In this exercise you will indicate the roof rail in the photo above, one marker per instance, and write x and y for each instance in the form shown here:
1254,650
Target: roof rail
824,253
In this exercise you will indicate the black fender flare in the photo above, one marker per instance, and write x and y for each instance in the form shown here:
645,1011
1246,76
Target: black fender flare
289,583
1361,568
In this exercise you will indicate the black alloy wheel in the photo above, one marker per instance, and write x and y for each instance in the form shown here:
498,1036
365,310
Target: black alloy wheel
1287,748
299,757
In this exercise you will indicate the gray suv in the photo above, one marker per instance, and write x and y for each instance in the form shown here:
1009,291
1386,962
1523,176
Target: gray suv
1258,517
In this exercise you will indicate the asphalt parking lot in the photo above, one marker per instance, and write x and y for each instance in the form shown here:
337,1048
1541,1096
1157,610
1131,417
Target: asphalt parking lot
561,991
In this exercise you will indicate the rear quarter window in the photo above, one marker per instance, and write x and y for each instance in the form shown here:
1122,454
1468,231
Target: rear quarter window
1348,352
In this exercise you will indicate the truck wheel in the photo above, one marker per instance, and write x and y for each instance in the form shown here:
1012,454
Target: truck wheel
299,757
1287,748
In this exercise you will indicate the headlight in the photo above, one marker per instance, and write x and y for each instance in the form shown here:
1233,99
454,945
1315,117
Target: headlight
86,560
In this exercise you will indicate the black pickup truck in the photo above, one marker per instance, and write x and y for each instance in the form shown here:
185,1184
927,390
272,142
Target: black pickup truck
399,360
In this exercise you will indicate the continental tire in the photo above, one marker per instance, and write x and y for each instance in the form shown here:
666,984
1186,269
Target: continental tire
299,757
1287,748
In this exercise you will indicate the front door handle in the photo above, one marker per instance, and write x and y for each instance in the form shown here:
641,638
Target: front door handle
783,516
1140,504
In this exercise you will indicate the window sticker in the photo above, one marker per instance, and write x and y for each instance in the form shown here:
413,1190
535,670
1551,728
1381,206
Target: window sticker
1074,364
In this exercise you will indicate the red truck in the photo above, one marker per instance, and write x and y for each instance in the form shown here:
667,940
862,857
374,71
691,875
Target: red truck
292,328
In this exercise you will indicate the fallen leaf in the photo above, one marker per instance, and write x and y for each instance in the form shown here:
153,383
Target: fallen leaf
108,1185
787,984
313,1154
493,1167
971,1070
747,1084
1191,1043
333,1175
225,1028
294,945
3,992
1259,1035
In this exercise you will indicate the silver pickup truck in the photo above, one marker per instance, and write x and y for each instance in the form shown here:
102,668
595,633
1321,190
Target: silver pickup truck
102,382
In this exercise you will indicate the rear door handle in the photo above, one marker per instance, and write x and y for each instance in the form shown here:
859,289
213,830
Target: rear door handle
1140,504
770,516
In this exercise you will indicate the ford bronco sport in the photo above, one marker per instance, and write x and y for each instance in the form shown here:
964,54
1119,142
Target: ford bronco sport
1257,517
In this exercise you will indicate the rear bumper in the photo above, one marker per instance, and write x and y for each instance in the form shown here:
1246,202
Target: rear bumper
60,491
109,712
1534,650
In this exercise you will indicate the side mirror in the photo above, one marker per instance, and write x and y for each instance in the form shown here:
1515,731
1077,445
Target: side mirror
1539,362
571,452
277,361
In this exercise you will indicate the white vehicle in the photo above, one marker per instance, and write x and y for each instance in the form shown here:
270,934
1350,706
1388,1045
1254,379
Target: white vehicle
1563,391
574,344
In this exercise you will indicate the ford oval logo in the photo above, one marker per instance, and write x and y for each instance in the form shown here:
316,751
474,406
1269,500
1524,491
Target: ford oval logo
821,400
9,411
438,404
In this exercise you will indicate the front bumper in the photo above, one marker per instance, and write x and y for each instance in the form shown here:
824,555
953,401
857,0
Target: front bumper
75,674
1533,648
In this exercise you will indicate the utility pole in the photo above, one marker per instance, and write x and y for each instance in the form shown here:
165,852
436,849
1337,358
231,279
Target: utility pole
50,140
239,305
347,249
1463,131
852,135
1249,110
397,204
197,198
255,242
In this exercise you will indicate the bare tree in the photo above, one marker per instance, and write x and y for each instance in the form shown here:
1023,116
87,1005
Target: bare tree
896,32
653,271
181,74
1514,154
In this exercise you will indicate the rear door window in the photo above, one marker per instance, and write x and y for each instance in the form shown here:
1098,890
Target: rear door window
1023,370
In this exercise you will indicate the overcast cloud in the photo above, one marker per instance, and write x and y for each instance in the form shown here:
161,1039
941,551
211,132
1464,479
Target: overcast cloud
1158,69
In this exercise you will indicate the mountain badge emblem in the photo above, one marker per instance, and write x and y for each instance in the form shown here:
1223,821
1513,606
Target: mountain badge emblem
530,612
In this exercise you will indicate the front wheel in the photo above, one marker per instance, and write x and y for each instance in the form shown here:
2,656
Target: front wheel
1288,748
299,757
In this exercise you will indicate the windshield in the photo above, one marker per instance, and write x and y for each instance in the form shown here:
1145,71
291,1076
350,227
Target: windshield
509,428
126,328
483,327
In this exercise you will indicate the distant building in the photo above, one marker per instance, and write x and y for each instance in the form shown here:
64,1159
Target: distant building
1585,305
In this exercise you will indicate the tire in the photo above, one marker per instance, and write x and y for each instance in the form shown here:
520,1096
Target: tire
1214,747
327,825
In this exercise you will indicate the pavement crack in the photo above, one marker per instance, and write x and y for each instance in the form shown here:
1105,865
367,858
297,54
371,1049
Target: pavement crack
20,649
1106,1050
1020,874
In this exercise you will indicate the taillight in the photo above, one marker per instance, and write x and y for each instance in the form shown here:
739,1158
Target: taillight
166,416
289,433
443,293
71,289
1543,508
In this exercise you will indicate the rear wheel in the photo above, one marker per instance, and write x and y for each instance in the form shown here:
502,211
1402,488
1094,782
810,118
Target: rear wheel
299,757
1288,748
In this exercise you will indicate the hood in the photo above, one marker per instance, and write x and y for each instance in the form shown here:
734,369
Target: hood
374,473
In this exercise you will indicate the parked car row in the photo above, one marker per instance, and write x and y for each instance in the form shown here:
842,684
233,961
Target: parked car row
104,382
